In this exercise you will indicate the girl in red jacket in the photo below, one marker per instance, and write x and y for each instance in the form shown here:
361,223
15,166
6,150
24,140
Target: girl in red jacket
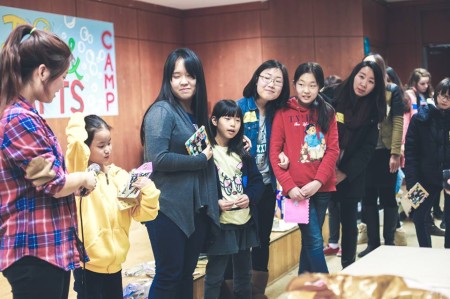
306,130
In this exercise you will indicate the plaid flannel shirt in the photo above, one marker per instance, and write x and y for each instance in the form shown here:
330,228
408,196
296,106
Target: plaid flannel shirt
32,221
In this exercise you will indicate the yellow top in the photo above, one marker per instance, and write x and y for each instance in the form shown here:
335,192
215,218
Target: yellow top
106,227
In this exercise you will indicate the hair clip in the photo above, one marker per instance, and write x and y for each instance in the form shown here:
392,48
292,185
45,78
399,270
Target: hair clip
27,36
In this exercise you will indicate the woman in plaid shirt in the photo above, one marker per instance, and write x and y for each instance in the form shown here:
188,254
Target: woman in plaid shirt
37,208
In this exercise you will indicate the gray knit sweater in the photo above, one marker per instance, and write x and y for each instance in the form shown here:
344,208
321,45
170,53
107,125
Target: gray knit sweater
186,182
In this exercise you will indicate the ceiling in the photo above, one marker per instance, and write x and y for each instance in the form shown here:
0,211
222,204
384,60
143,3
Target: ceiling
192,4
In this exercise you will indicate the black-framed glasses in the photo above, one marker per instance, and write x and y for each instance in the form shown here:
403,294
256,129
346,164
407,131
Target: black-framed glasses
444,97
268,79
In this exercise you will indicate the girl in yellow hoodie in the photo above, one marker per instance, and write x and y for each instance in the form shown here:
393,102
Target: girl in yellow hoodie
105,226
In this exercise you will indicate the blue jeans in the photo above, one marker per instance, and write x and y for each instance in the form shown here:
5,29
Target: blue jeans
176,256
312,258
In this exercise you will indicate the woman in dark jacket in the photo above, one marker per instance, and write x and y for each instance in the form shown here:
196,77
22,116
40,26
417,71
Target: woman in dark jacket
427,153
360,105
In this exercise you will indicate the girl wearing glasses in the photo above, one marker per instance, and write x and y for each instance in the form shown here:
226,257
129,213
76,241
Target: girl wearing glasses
427,153
263,95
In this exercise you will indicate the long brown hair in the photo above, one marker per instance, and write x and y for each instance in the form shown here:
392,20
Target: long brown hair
25,49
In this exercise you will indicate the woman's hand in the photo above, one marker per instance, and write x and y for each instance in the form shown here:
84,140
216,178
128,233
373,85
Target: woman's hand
208,152
340,176
311,188
284,161
247,143
242,202
394,163
225,205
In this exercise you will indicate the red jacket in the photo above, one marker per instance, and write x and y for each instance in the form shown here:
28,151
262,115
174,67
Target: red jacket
312,154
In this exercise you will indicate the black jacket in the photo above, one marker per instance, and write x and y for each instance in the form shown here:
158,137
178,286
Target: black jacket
427,148
355,159
356,156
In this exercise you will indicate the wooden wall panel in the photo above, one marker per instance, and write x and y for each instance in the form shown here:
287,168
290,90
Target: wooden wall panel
228,66
337,18
338,55
403,58
65,7
285,18
151,64
235,25
124,19
402,25
291,51
160,27
375,25
436,26
125,134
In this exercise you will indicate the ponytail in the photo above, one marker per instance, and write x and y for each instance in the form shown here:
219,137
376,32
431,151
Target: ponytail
25,49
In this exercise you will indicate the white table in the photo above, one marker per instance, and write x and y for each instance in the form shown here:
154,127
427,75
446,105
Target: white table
429,266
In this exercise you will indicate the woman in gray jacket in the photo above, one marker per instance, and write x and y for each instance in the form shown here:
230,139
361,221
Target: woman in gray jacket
188,201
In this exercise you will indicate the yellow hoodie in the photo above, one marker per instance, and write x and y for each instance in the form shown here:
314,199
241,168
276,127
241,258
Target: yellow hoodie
106,227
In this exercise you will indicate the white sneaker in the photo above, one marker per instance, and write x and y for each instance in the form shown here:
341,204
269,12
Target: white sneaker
362,233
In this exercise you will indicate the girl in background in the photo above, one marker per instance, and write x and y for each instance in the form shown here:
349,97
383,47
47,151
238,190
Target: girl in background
360,105
417,92
240,187
383,167
38,222
263,95
306,130
188,184
419,89
104,227
427,153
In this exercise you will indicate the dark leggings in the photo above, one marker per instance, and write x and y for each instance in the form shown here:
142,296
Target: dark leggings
98,285
266,209
31,277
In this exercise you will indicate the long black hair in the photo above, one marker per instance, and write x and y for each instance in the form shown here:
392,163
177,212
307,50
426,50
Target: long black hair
193,65
228,108
251,90
319,107
346,96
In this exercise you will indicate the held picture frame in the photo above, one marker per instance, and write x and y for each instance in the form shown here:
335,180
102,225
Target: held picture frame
197,142
416,195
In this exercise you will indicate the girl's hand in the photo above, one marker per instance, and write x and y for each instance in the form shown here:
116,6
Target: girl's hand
141,182
247,143
243,201
311,188
296,194
225,205
208,152
284,161
394,163
340,176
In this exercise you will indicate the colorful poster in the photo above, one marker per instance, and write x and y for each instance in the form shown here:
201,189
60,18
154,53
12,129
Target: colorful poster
91,85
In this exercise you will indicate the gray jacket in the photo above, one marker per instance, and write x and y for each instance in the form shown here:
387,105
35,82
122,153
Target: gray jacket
186,182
